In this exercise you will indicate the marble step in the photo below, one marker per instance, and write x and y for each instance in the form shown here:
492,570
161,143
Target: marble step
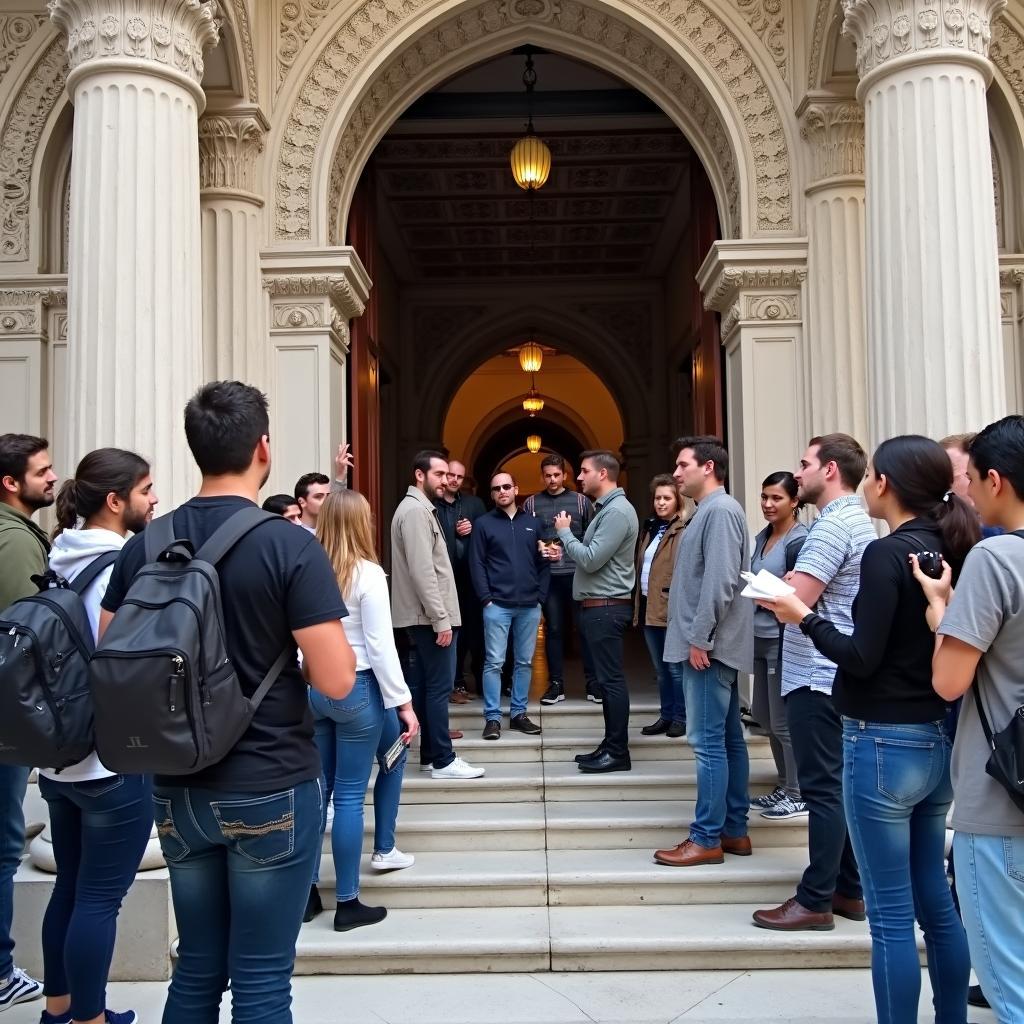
647,824
563,745
476,878
428,828
504,782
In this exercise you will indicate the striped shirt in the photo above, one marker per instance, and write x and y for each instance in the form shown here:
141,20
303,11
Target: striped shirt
831,554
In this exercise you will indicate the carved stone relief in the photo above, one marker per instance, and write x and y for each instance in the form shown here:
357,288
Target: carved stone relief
21,308
228,149
297,21
836,134
768,19
174,33
343,303
1007,53
244,33
374,20
997,192
18,144
824,14
15,31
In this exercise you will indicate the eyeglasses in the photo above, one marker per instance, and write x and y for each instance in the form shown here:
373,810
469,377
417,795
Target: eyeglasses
502,487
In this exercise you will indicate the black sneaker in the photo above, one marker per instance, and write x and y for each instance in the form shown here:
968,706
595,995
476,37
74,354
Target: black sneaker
593,695
492,730
522,724
554,693
975,997
676,729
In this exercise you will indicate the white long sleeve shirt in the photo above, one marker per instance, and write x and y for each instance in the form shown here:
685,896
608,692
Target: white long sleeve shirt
370,633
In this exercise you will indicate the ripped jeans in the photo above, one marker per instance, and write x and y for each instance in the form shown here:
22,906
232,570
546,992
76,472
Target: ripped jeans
240,866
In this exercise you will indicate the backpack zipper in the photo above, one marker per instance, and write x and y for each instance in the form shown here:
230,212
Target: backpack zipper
44,681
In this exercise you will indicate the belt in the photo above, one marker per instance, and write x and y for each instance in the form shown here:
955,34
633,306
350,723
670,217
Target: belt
604,602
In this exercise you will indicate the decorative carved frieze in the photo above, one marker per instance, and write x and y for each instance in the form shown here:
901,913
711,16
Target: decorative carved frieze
886,29
1007,53
334,286
373,21
724,289
21,309
835,131
297,21
174,33
824,13
768,19
229,146
774,307
15,31
18,144
244,33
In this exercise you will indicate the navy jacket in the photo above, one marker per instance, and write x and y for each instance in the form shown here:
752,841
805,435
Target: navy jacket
504,562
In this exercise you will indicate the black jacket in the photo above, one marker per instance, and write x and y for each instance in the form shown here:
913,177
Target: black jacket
504,562
449,513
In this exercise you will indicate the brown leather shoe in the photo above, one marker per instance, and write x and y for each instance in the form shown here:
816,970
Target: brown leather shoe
737,845
689,854
793,917
849,907
458,697
455,734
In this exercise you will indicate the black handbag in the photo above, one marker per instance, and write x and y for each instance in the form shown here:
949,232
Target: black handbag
1006,762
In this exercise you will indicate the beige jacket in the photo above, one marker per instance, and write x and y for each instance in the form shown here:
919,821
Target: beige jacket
422,582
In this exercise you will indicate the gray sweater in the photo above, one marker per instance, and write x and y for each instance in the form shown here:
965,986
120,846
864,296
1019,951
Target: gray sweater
605,565
704,606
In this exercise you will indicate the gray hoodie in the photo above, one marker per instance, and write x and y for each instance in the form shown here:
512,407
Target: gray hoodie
704,606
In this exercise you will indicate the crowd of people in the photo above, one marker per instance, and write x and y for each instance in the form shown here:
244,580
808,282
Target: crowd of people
860,668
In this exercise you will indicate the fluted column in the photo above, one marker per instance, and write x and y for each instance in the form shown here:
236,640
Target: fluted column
234,328
835,352
134,292
935,360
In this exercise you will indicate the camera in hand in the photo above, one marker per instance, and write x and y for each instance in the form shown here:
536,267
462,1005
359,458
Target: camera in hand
930,563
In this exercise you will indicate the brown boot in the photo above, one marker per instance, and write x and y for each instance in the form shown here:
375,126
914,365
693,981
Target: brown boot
793,917
689,854
849,907
737,845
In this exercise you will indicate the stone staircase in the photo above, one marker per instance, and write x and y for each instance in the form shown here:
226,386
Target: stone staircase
538,867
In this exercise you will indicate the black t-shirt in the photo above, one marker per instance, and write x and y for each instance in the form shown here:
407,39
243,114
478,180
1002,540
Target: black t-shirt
275,580
885,667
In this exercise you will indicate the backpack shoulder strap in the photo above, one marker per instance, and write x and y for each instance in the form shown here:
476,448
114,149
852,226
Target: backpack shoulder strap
986,728
271,677
228,534
159,536
81,583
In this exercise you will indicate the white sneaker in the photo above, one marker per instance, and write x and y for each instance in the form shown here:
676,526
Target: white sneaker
428,767
458,769
19,988
392,861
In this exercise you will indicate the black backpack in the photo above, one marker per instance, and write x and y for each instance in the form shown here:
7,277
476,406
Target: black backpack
167,698
46,714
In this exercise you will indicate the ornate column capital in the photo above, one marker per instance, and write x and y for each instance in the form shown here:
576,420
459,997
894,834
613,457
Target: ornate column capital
230,143
834,128
887,30
170,35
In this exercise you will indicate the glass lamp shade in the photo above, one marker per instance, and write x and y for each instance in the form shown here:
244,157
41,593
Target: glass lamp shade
531,162
533,443
531,356
533,403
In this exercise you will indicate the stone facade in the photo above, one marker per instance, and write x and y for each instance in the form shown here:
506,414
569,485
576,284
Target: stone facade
851,274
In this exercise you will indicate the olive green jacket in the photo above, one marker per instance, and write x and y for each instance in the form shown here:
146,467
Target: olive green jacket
24,551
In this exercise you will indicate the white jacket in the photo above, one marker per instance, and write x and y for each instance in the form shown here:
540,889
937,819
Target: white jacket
73,551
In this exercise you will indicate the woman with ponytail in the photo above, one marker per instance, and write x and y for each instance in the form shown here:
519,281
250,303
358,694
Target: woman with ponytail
896,750
99,822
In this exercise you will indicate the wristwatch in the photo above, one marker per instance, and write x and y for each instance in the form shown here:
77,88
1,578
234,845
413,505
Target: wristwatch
805,623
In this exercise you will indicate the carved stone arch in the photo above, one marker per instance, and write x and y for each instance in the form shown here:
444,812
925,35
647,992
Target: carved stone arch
54,191
375,58
577,336
826,14
28,123
1006,131
236,36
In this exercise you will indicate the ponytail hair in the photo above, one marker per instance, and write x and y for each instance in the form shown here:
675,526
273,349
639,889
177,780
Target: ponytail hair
101,472
921,477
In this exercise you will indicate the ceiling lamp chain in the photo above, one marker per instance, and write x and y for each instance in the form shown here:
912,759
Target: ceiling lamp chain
533,443
533,402
531,158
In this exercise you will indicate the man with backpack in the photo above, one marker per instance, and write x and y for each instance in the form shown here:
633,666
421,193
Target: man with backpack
978,657
240,835
26,486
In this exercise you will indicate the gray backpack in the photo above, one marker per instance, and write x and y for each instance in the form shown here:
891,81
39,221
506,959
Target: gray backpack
45,646
166,695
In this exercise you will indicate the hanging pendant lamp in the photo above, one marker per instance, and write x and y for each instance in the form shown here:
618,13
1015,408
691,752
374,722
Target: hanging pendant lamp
531,158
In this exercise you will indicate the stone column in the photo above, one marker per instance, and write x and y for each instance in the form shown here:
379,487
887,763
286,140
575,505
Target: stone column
134,295
757,287
234,330
835,348
935,359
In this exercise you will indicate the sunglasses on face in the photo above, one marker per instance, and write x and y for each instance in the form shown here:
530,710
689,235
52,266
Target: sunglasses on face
502,487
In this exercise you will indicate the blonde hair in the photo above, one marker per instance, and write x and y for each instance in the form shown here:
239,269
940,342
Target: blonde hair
345,529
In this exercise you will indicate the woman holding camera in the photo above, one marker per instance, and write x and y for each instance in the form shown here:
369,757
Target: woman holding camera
896,784
365,724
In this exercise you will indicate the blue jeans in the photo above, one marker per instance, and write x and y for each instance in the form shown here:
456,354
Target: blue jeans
670,676
430,681
13,782
523,623
99,831
715,732
349,733
896,793
990,880
240,867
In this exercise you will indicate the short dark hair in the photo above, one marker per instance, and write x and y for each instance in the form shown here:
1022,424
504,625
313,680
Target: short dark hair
303,484
552,460
846,453
1000,446
422,460
279,503
16,450
784,479
705,448
603,459
224,421
663,480
101,472
504,472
